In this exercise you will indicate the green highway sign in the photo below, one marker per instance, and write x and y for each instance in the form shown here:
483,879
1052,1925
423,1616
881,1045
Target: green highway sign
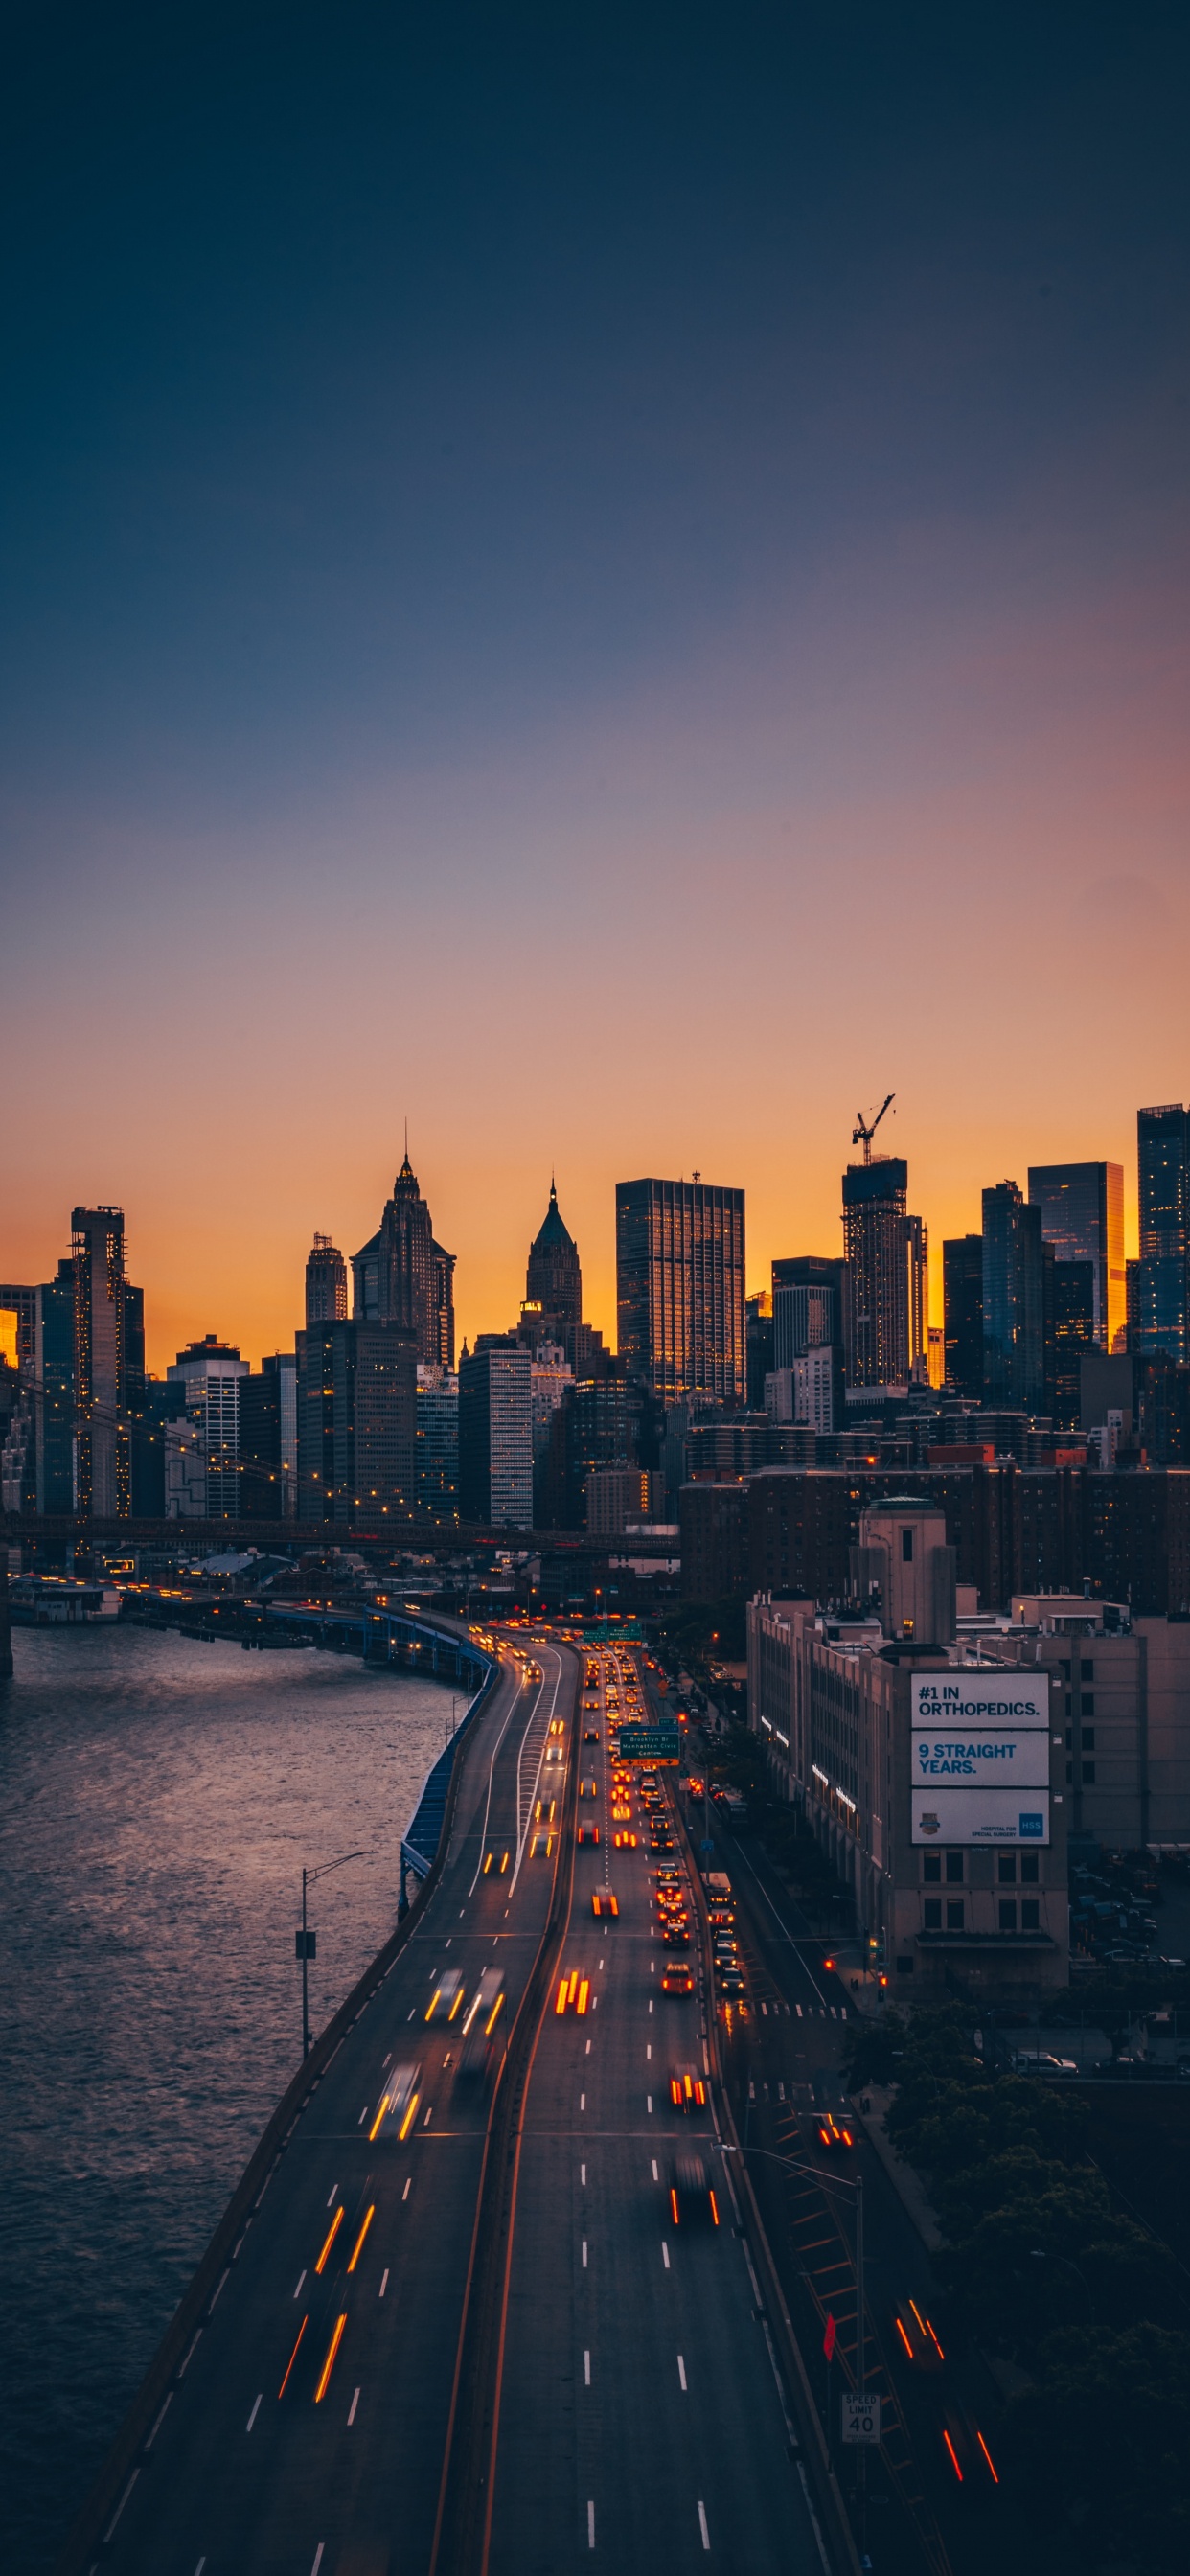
650,1743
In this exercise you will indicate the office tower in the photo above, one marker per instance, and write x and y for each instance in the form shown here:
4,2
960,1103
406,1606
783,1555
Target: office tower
268,1440
402,1277
936,1356
210,1371
1082,1215
437,1444
680,1287
496,1437
1070,1333
1013,1300
442,1306
326,1283
758,1346
103,1483
54,1365
553,1278
1159,1283
22,1302
357,1424
962,1306
885,1276
807,1306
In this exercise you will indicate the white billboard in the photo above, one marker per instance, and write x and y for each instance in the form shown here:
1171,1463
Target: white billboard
1003,1757
981,1816
977,1698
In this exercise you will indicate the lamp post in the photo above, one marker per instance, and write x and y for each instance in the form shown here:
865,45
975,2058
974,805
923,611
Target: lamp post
306,1941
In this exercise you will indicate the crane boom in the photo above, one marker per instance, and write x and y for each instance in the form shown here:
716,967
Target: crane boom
862,1131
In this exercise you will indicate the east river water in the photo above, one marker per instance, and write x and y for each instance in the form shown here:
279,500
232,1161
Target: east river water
158,1797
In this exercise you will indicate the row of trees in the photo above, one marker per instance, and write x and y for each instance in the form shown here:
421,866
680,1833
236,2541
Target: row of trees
1043,2272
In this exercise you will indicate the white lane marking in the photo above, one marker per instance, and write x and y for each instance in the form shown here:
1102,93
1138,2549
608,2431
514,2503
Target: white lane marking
842,2012
408,2188
702,2524
362,2117
834,2015
449,1938
590,2524
409,2016
751,2092
429,2116
386,2061
595,1998
648,2050
354,2404
582,2101
650,2003
298,2292
582,2175
588,2048
649,2102
201,2564
462,1911
656,2175
681,2371
584,2253
318,2558
798,2010
334,2188
781,2091
765,2010
665,2253
255,2412
120,2507
384,2282
586,2369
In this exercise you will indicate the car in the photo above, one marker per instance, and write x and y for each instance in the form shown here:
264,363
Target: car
687,2089
691,2195
1041,2061
541,1844
729,1981
590,1735
833,2134
678,1979
398,2103
676,1936
603,1902
447,1996
588,1789
588,1833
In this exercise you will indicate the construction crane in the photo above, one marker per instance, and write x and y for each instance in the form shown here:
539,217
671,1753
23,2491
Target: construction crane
866,1133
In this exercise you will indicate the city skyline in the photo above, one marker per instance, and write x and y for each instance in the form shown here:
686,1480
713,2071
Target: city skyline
490,1284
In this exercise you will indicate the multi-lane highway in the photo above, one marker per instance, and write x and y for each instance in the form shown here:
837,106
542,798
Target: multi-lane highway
492,2318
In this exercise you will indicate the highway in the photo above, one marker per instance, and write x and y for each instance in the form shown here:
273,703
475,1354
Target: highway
265,2459
473,2329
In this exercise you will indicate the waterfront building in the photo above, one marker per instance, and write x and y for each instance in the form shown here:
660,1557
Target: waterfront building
1082,1215
496,1434
55,1393
268,1440
210,1372
680,1288
108,1352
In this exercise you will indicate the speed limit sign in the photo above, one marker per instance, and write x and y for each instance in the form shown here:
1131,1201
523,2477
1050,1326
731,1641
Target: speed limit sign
861,2416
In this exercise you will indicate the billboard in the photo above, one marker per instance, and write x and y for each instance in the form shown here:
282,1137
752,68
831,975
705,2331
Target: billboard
1003,1757
981,1816
979,1698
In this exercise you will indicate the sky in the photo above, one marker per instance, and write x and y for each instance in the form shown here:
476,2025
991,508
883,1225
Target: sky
611,583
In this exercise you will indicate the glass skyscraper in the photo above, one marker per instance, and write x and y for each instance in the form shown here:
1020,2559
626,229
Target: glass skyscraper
1082,1215
680,1288
1159,1283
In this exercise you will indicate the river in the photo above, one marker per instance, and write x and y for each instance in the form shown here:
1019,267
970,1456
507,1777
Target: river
158,1798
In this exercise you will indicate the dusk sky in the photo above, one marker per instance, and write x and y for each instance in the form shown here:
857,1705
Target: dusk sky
613,582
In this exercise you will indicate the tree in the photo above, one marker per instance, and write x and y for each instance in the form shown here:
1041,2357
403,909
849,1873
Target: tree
1101,2443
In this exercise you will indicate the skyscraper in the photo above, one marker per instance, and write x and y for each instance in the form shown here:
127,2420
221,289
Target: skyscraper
962,1293
680,1287
1013,1300
103,1479
496,1437
211,1371
326,1283
1159,1283
357,1424
403,1277
553,1278
885,1278
1070,1334
1082,1215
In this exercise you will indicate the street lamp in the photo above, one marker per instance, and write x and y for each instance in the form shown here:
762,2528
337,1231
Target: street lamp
306,1942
